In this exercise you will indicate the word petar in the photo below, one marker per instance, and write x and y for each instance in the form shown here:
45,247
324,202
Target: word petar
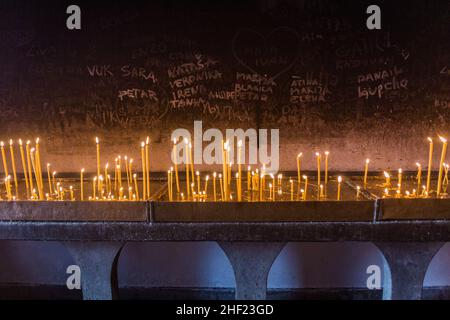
193,310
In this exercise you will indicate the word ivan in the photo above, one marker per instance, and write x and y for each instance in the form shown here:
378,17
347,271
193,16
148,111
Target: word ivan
212,153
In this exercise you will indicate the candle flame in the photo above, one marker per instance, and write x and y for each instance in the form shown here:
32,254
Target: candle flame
358,187
418,164
386,174
443,139
429,139
305,177
142,145
240,143
10,142
367,160
299,155
400,170
82,170
2,144
20,141
197,173
214,174
317,154
148,140
97,141
339,179
207,178
327,153
37,140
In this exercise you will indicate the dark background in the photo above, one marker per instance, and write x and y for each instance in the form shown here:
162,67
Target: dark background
65,86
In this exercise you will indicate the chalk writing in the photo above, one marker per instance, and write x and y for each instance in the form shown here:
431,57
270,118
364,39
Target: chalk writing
381,82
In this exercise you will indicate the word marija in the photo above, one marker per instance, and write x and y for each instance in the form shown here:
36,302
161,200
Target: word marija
262,152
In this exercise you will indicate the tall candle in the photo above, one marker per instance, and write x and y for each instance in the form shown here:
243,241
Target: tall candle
292,189
82,184
358,191
239,182
187,168
33,163
224,167
249,179
175,161
299,177
366,169
237,186
430,162
191,161
326,167
214,186
24,167
30,173
147,165
136,186
306,187
39,171
221,187
419,175
144,172
400,180
441,164
49,179
5,166
13,161
198,181
72,198
94,187
169,183
318,170
128,173
339,188
97,143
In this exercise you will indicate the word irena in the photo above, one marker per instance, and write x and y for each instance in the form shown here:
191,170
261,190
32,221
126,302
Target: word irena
73,22
212,154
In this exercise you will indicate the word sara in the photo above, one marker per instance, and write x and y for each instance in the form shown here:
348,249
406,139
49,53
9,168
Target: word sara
263,152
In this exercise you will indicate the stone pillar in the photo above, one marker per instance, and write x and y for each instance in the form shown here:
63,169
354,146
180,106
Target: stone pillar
407,264
251,262
98,264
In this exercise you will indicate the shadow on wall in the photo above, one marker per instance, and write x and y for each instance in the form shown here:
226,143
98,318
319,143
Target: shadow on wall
324,265
175,264
34,262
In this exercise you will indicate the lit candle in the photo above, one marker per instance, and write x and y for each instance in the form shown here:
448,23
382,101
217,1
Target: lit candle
5,166
306,187
130,193
198,181
175,161
318,170
366,170
400,180
126,170
30,173
136,186
206,185
299,177
221,186
419,175
321,194
144,174
33,163
239,182
339,188
326,167
441,164
388,179
147,165
169,183
249,179
24,166
446,166
94,183
191,161
130,168
224,167
97,143
273,187
187,169
292,189
82,184
39,171
71,194
237,186
54,181
430,161
358,190
270,191
261,187
214,185
49,179
13,161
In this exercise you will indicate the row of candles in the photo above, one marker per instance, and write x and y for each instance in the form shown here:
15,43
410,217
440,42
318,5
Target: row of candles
260,185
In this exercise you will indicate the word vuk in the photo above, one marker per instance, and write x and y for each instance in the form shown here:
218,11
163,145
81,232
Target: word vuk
236,141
